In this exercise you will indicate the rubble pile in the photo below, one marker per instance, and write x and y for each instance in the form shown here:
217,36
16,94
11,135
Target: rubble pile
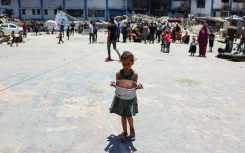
6,19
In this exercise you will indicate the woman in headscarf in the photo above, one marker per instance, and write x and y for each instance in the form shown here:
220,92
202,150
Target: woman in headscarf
203,40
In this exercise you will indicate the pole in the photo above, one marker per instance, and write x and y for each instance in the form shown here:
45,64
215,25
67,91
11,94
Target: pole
41,9
212,8
169,8
19,7
231,1
189,6
107,10
64,5
85,10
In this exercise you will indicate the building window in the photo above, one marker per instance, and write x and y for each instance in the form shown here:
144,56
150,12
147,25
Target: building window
55,12
75,13
33,12
45,12
5,2
238,1
200,3
23,12
96,13
38,11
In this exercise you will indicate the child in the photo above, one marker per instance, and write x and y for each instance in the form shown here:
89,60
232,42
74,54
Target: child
68,32
164,42
126,108
193,46
168,41
211,41
60,38
14,39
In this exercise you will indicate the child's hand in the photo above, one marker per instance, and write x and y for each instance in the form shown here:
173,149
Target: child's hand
113,84
140,86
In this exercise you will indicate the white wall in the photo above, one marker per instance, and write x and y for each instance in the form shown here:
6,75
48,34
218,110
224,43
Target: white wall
30,3
75,4
203,11
96,4
52,3
118,4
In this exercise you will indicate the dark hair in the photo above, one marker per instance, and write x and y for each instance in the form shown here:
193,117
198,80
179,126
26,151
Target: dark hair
126,55
111,19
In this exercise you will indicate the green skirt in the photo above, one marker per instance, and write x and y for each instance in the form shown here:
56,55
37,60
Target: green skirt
124,107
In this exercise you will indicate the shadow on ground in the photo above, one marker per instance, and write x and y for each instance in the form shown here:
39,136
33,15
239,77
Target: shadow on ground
115,146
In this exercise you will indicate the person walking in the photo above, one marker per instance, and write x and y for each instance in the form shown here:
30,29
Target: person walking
60,37
193,46
62,29
126,108
112,38
211,38
14,39
36,28
68,32
91,32
24,26
203,40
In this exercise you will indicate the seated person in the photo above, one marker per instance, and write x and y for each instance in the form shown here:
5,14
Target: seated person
228,46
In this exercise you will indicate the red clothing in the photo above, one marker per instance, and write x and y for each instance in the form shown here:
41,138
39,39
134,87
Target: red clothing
203,40
24,26
164,37
168,37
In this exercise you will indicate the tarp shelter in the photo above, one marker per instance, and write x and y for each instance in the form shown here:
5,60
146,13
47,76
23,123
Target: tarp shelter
51,25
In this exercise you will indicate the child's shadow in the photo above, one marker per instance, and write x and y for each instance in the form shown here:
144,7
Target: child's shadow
115,146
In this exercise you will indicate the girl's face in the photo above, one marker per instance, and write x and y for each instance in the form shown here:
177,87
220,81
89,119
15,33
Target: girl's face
127,64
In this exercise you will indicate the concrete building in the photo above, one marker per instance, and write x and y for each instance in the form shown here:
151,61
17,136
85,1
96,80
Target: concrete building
100,9
204,8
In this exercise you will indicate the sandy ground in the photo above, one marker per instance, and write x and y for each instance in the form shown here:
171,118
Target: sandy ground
55,98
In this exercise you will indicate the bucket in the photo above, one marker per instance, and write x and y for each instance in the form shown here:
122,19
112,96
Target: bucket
126,89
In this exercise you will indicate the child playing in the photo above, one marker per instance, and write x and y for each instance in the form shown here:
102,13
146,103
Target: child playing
126,108
68,32
60,38
193,46
164,42
211,41
14,39
168,41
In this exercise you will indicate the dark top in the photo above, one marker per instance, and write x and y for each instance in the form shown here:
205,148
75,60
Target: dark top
113,29
72,25
211,37
152,29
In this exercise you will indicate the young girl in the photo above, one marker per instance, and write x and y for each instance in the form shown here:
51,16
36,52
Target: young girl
164,42
126,108
193,46
60,38
211,38
168,41
14,39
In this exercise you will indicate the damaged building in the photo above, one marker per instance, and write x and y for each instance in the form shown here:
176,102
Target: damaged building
101,9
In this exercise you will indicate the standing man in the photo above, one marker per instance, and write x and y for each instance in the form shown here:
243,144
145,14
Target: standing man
62,28
112,39
152,32
232,33
24,26
72,28
91,32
